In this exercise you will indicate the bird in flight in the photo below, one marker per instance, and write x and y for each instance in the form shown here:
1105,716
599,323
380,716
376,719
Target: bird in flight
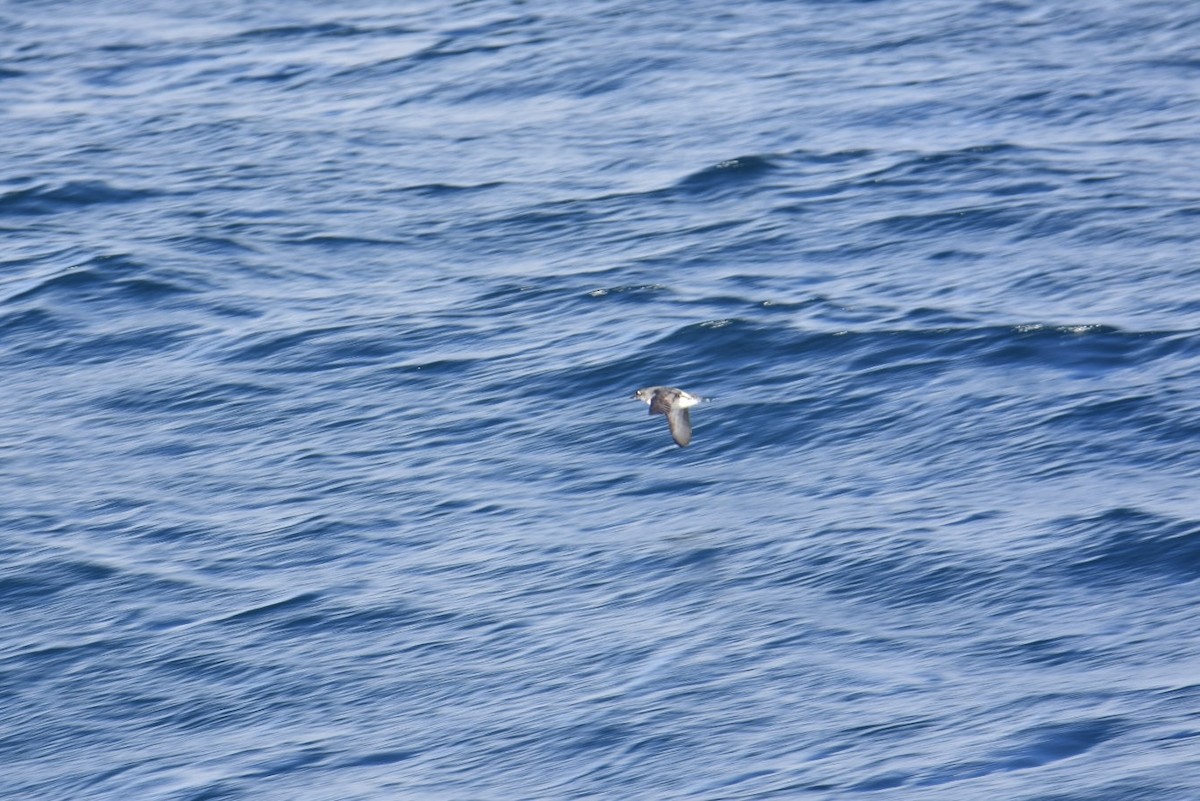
674,403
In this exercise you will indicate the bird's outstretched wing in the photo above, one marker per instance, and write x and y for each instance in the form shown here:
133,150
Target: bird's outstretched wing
681,425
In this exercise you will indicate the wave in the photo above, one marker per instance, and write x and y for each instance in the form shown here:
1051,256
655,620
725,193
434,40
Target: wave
43,198
731,175
104,278
1123,545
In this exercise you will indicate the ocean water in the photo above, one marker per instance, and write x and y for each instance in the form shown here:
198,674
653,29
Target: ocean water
319,326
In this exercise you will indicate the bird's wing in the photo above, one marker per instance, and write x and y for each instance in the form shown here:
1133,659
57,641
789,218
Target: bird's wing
681,425
660,403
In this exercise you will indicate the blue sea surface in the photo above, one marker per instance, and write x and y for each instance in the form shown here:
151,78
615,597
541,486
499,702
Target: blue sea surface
322,475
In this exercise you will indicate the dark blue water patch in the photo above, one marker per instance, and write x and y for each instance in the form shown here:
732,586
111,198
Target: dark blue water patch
197,706
443,190
317,349
184,396
313,31
1131,789
1038,746
503,23
1045,744
962,165
282,75
677,487
732,338
29,666
530,229
31,521
18,326
1048,651
434,371
72,344
824,158
734,175
213,245
274,610
894,355
741,430
661,573
532,226
906,575
758,296
334,242
1192,734
74,280
216,791
296,759
32,584
381,758
635,293
552,296
1120,419
133,68
957,256
115,277
894,731
884,781
579,79
488,38
1183,698
1086,224
1025,188
1183,63
384,619
966,219
1067,104
1126,545
1114,226
1083,350
43,199
930,318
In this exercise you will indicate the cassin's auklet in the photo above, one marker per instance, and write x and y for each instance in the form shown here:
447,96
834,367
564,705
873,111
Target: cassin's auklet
674,404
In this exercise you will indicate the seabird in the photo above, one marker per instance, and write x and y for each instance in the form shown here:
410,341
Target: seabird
674,403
